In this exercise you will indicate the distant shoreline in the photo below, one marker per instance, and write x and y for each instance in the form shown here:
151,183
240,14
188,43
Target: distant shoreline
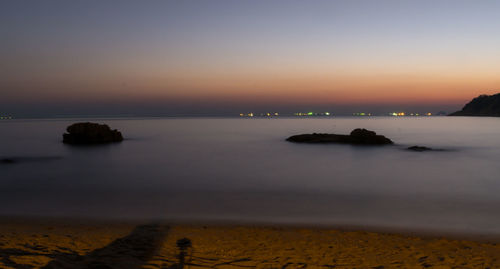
216,117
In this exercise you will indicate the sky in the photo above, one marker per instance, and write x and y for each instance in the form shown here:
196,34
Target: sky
103,57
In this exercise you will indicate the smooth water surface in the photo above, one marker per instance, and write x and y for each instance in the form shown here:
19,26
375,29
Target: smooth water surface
244,170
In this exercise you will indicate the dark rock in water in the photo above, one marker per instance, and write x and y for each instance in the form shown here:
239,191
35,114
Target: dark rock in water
483,105
16,159
363,133
357,137
8,160
419,148
91,133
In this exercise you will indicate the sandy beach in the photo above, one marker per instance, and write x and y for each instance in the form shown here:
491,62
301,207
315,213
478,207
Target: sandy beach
77,244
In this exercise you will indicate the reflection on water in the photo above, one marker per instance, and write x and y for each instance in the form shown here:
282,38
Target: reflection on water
242,169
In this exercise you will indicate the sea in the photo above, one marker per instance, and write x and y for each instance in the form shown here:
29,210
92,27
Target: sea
242,170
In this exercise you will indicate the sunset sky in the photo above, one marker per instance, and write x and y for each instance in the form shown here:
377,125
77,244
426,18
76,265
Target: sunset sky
222,57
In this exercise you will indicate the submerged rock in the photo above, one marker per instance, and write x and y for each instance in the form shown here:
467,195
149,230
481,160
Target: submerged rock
422,148
10,160
357,137
7,160
91,133
419,148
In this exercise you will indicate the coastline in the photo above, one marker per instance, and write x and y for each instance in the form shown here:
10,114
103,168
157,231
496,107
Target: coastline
79,243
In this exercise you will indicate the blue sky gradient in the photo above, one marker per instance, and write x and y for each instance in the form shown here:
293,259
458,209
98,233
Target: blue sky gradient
161,57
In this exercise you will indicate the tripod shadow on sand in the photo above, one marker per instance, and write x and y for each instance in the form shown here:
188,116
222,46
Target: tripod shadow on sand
130,252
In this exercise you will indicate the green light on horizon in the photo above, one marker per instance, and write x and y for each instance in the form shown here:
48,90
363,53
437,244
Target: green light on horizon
310,113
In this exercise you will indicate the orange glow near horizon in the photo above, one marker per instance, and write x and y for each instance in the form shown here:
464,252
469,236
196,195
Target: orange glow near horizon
264,52
312,89
281,89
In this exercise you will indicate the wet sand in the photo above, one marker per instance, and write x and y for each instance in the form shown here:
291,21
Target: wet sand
77,244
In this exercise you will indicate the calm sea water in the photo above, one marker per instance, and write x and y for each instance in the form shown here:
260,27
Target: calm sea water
244,170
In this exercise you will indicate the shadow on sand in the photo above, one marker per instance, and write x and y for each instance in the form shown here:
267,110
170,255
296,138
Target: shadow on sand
131,251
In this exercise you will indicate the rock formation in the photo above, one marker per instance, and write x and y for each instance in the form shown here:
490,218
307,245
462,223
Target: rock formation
483,105
90,133
357,137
